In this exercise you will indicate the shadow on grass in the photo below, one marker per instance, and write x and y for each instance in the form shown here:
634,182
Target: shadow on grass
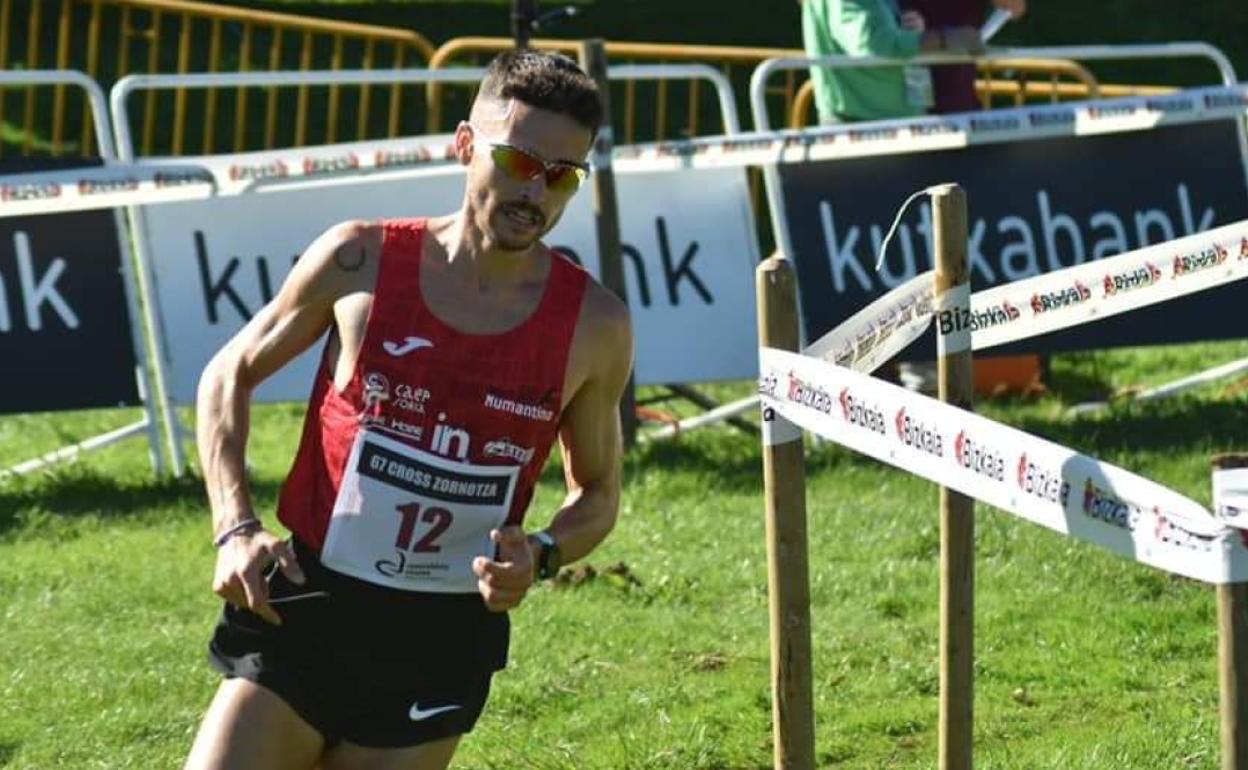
1175,426
79,492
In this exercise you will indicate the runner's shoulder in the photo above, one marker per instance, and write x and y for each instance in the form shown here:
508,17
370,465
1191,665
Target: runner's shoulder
342,260
605,319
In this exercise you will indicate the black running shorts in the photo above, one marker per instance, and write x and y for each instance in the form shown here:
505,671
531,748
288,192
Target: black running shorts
374,666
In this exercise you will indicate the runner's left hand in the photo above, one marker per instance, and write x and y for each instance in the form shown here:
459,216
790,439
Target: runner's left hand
504,580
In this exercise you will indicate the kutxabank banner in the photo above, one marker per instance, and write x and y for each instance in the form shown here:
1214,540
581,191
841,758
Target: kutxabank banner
65,327
689,250
1035,479
1035,206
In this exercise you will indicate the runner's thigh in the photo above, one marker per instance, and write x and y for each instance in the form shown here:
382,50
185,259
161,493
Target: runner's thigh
435,755
247,726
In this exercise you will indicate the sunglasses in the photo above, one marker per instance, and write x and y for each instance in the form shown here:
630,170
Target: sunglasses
561,176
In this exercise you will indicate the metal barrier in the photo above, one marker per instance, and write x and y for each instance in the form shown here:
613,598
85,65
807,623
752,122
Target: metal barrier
93,97
729,60
109,39
126,147
1014,80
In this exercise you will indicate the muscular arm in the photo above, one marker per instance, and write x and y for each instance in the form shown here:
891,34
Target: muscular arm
590,441
287,326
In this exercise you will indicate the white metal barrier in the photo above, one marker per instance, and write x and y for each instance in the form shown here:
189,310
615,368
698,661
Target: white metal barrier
104,140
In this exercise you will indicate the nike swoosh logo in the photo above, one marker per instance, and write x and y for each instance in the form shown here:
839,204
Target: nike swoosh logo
397,349
417,714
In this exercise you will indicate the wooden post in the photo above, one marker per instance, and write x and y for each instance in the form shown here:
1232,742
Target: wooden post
957,511
593,55
788,578
1233,653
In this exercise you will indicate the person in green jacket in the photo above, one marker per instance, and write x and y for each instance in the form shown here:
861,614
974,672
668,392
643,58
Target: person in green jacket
874,28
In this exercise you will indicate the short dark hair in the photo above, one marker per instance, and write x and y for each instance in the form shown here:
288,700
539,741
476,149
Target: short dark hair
547,80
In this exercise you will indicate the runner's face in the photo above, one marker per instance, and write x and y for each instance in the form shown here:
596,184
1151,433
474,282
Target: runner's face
522,174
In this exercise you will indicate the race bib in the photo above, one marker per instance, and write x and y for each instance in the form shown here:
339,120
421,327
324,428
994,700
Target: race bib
408,519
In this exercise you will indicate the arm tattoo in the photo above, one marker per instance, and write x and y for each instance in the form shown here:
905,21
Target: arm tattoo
348,264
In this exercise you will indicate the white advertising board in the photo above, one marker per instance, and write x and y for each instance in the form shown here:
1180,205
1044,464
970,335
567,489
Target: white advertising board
689,254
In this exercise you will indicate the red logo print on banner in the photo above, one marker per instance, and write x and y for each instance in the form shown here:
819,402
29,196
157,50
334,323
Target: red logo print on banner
1042,482
1192,263
1146,275
1167,531
860,413
978,457
915,434
1243,249
1056,300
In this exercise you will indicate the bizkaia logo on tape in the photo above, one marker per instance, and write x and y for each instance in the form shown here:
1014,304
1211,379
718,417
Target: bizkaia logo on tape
976,456
1056,300
1043,483
973,319
913,433
1141,277
805,394
860,413
1186,264
1170,532
1104,505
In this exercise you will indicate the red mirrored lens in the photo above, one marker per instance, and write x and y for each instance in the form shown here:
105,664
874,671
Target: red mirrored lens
564,178
517,163
520,165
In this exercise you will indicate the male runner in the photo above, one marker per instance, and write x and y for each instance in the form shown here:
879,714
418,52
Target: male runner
460,347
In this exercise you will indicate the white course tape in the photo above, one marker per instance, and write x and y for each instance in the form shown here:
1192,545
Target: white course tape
882,329
1035,479
1230,496
170,180
953,321
1094,290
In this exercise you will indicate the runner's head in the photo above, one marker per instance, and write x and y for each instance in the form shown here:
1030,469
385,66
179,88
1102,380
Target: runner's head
525,145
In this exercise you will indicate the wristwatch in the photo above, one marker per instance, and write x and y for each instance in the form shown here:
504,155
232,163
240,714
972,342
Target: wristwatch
549,560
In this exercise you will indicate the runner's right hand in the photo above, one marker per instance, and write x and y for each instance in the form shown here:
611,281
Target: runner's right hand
241,562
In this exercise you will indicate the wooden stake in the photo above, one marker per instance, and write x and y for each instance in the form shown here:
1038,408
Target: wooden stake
788,578
1233,655
957,511
593,55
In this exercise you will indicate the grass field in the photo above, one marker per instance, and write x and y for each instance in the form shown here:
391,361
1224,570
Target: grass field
1084,660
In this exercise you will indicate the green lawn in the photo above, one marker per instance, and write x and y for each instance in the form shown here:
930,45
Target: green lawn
1084,660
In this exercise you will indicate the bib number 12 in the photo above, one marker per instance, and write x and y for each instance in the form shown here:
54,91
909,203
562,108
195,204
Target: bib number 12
413,513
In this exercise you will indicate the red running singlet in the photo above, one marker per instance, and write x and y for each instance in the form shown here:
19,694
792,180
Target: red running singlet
438,437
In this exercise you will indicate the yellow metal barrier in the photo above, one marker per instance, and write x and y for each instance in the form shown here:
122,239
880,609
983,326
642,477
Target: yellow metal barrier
736,62
108,39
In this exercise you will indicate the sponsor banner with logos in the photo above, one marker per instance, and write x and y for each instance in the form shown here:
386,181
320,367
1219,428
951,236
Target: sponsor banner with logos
1035,479
1035,207
65,327
882,329
1041,304
689,248
1114,285
143,183
1140,113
